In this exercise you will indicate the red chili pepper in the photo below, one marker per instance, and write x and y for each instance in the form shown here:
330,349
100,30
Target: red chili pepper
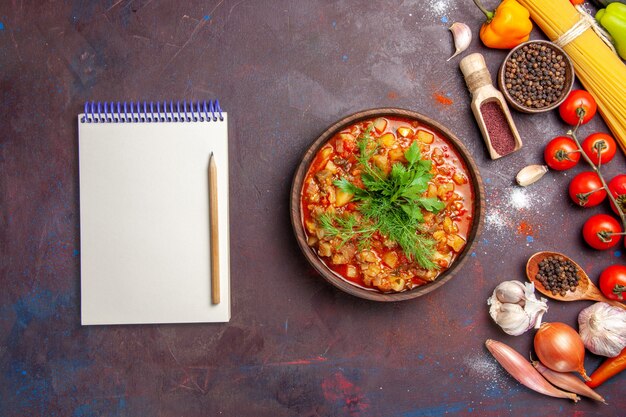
608,369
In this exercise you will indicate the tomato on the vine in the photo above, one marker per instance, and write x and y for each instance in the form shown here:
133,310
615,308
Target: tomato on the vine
612,282
601,231
561,153
579,103
586,189
617,186
602,142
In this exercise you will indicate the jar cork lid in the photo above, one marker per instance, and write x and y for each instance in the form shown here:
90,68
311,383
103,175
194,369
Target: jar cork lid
475,71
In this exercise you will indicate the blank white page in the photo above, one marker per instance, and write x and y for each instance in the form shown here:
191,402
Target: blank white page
144,222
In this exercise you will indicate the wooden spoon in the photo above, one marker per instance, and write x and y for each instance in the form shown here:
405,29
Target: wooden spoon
584,291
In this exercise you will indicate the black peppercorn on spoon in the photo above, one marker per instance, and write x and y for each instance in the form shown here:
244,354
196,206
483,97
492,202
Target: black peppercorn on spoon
585,290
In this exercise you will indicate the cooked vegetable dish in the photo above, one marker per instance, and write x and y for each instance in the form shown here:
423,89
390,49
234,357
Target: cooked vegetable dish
387,204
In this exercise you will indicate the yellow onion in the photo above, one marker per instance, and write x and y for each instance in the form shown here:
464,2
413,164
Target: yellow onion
560,348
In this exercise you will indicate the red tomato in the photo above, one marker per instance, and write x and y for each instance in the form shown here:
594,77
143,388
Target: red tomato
613,282
576,2
599,141
578,103
599,231
617,186
561,153
586,189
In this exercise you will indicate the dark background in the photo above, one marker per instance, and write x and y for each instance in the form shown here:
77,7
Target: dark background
295,346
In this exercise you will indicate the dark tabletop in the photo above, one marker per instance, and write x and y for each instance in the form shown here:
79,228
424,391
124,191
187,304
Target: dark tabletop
295,346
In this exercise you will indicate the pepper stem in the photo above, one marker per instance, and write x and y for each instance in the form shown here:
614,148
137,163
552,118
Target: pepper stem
482,8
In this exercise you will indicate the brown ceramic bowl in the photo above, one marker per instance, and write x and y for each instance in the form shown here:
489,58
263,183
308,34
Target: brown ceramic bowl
567,85
337,280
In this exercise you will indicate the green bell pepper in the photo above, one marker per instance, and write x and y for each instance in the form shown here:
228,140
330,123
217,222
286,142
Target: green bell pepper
613,19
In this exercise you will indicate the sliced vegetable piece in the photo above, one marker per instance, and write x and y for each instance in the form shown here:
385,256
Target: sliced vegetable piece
405,131
342,197
397,284
388,140
380,124
397,155
391,259
382,162
425,137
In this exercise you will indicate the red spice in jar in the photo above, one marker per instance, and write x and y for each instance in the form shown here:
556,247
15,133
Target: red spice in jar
498,128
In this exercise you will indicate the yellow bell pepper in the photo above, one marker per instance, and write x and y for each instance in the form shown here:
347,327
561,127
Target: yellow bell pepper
507,26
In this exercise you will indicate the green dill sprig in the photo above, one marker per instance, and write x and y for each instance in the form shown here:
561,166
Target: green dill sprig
346,227
390,204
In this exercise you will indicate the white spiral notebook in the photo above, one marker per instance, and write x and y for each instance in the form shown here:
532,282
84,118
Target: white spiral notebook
144,212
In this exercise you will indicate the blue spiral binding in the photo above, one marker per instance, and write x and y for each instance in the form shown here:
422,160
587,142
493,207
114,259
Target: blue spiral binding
144,112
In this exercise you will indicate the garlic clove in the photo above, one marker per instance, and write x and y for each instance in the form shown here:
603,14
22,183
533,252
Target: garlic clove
510,292
462,35
530,174
513,319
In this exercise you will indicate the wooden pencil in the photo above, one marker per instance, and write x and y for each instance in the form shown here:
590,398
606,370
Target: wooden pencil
214,230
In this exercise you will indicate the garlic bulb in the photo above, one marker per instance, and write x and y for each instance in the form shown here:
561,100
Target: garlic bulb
603,329
514,307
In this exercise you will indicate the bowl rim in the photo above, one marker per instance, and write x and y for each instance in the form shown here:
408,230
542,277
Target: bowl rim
296,212
568,69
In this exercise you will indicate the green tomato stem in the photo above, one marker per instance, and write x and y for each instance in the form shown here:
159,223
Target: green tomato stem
572,134
587,194
561,155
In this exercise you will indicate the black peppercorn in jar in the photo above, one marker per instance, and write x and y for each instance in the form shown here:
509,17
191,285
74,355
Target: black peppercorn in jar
536,76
